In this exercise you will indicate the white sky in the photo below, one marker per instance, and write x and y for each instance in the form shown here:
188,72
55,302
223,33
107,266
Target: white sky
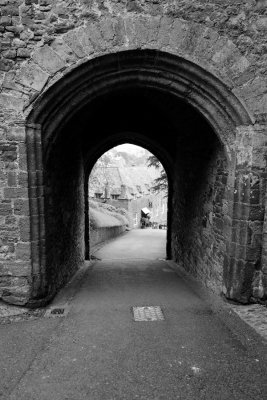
131,148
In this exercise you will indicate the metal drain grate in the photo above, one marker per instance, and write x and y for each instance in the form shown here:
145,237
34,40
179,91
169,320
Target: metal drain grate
56,312
148,313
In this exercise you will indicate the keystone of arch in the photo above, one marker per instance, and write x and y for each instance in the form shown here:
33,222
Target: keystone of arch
194,42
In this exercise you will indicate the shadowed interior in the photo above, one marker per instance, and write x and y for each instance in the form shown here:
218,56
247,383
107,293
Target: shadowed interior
190,152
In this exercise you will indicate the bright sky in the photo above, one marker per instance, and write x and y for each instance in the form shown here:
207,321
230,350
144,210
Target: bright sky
130,148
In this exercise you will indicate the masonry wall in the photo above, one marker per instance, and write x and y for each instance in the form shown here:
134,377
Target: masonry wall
103,233
42,40
64,217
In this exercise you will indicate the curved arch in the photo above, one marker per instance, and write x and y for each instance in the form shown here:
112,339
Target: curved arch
138,140
149,69
132,138
144,68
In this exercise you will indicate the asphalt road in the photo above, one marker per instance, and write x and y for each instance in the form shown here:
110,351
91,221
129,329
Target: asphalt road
98,351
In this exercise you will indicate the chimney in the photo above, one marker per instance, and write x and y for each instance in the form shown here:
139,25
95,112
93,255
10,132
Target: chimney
123,192
107,191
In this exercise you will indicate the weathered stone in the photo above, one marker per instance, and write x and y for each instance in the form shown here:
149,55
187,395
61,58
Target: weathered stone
48,59
9,54
11,102
11,193
32,76
21,207
23,251
218,204
5,20
23,53
16,133
24,229
12,178
18,43
5,209
15,268
72,41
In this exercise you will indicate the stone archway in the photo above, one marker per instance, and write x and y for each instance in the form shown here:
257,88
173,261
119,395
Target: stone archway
166,54
150,73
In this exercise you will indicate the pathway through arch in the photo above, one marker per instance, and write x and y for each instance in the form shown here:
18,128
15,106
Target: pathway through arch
99,351
137,244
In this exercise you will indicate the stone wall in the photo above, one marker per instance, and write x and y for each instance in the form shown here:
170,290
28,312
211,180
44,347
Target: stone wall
103,233
43,41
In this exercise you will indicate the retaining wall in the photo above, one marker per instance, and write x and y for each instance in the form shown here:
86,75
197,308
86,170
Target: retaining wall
103,233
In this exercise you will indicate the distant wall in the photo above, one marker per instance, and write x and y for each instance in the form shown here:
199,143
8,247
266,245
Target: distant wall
105,223
103,233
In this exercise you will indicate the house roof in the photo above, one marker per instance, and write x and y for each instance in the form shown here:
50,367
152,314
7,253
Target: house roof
136,179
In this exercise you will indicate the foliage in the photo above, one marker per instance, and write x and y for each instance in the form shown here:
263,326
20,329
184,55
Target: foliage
102,214
160,184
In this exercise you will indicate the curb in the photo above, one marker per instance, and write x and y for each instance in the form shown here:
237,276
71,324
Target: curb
234,316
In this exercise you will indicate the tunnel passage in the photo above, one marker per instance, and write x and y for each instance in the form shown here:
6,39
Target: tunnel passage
189,150
182,114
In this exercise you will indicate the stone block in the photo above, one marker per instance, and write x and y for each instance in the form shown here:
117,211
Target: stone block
5,208
23,179
16,133
256,213
178,34
48,60
94,37
254,95
21,207
9,54
6,65
11,220
23,165
10,9
15,268
12,178
164,31
31,75
23,53
84,38
16,192
18,43
63,50
17,292
5,20
11,102
8,152
72,40
23,251
24,229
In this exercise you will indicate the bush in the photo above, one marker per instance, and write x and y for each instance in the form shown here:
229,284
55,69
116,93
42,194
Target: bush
101,214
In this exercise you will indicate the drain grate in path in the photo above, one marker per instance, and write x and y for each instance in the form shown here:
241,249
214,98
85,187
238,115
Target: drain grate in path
56,312
148,313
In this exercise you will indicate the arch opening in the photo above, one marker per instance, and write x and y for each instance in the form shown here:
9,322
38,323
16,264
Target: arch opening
191,136
128,192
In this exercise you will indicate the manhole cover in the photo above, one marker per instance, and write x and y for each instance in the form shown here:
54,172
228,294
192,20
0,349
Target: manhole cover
148,313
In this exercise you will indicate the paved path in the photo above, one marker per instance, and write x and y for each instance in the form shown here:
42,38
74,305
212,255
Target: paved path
138,243
98,352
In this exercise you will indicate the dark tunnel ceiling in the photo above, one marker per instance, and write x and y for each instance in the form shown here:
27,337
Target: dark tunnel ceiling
145,111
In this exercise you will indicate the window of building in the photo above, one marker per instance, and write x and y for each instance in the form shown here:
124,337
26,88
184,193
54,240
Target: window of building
115,196
98,195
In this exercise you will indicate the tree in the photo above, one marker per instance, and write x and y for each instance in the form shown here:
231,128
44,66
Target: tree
160,184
